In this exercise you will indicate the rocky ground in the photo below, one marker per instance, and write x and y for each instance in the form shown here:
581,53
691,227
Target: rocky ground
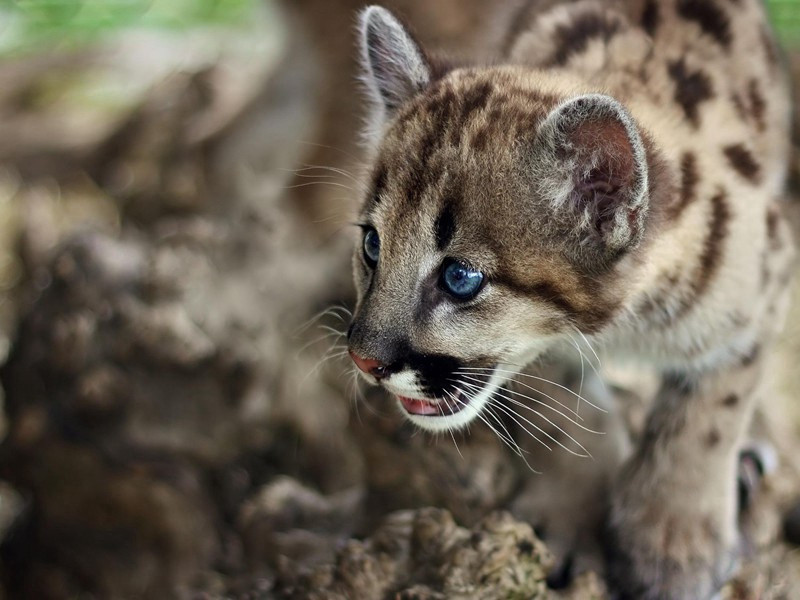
180,419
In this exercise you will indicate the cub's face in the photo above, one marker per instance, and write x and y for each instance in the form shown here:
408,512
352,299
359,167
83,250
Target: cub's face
497,222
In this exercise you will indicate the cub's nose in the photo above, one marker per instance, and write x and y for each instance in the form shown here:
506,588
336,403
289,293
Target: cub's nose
369,365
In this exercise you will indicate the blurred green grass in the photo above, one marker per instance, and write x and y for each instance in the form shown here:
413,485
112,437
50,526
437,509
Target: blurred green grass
786,17
29,24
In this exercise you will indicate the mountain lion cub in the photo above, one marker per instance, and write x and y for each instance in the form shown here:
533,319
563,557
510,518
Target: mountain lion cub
616,175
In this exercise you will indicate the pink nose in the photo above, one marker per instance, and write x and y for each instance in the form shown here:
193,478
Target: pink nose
369,365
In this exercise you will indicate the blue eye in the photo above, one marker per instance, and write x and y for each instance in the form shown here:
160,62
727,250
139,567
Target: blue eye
460,280
372,247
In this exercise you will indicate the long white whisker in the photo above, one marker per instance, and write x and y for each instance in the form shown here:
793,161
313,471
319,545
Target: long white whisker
308,183
555,410
580,333
538,391
508,410
558,385
583,360
519,451
507,441
331,310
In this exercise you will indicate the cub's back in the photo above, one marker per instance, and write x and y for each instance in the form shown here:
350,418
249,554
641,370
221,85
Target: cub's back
706,73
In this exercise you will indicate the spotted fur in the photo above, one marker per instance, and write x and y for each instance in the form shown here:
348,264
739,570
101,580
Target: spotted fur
616,176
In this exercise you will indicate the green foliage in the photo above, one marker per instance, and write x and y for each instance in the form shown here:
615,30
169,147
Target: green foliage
26,24
786,17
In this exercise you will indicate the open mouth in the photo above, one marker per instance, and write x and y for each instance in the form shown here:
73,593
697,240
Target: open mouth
441,407
453,402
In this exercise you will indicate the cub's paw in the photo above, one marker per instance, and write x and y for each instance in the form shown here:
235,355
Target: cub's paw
654,555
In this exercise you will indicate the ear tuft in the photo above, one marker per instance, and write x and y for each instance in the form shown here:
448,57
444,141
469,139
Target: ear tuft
594,163
395,67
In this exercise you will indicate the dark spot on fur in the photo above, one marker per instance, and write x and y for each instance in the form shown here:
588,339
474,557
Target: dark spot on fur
752,356
480,139
445,226
690,177
573,38
475,99
713,438
758,105
711,19
678,383
791,525
772,225
711,256
730,401
525,547
742,160
739,106
691,88
650,16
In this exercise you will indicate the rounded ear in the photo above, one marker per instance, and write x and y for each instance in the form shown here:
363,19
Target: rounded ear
394,66
594,170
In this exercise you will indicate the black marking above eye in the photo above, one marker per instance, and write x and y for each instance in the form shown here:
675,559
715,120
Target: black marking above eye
378,184
445,226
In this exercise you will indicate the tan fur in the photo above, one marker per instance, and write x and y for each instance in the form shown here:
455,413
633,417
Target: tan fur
618,177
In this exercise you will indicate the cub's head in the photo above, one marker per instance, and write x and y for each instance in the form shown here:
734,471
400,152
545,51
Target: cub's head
502,216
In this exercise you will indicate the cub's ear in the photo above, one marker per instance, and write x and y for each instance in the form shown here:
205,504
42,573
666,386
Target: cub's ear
593,172
395,67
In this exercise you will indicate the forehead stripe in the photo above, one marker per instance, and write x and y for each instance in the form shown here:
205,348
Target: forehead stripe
445,226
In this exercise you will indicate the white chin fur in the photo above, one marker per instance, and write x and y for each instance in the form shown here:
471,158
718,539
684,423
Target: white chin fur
466,415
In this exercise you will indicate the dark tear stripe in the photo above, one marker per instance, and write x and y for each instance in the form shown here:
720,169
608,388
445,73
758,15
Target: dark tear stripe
575,37
591,319
445,226
742,160
650,17
690,89
711,19
689,180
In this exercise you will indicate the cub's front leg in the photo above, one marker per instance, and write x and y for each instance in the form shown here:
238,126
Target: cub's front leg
672,526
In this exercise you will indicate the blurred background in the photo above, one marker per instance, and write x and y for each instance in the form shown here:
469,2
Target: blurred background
179,417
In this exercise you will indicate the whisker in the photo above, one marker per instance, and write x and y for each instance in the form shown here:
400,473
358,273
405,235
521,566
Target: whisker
337,170
558,385
567,417
525,429
538,391
519,451
333,183
318,340
509,441
583,360
580,333
318,145
331,310
510,411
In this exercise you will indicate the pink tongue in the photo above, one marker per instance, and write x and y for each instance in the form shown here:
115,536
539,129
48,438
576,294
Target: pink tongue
419,407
